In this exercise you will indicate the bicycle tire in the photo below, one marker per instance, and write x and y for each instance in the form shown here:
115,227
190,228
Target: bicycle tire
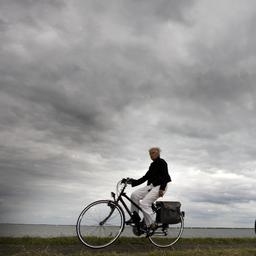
100,224
168,238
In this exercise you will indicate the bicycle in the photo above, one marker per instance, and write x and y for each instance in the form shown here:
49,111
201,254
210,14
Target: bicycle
102,222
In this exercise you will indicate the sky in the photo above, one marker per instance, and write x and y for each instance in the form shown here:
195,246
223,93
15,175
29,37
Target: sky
87,87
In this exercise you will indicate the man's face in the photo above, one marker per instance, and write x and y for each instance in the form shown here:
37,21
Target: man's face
154,154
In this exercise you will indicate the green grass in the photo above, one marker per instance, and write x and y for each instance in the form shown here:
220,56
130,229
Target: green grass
122,240
124,246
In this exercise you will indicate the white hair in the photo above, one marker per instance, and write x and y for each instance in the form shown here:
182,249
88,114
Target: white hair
155,148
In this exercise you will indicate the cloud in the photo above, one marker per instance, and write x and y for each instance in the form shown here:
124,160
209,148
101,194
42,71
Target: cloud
87,87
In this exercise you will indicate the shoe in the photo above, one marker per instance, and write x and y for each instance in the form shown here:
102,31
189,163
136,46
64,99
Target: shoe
135,219
129,222
151,229
153,226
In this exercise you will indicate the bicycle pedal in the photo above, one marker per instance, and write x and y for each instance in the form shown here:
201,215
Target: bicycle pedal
150,233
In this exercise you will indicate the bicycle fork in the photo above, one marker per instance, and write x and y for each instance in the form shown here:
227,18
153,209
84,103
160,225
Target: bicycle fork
111,212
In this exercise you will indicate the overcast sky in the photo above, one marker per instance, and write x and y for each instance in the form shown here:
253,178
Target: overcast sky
87,87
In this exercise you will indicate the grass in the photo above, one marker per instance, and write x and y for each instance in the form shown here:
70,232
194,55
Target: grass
70,246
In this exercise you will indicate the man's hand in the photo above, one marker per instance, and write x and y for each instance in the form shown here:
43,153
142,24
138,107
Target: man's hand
129,181
161,193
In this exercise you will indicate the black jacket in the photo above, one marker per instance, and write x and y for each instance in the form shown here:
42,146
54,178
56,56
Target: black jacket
156,175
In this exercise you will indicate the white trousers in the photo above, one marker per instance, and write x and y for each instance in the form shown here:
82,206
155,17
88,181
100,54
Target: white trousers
144,197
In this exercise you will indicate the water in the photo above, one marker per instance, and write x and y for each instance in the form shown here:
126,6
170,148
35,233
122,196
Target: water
20,230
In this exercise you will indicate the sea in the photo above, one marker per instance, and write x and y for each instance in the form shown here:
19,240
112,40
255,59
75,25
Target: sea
39,230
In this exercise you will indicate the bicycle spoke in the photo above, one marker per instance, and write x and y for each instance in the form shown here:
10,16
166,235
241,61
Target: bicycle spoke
100,224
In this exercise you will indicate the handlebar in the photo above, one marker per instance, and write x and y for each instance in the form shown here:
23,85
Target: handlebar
124,182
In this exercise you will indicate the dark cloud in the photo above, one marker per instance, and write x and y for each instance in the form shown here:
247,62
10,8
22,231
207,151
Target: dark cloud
226,195
145,16
87,87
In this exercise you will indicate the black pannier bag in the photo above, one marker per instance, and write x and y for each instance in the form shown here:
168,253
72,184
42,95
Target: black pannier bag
168,212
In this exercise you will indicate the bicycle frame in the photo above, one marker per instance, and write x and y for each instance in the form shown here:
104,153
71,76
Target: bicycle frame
120,199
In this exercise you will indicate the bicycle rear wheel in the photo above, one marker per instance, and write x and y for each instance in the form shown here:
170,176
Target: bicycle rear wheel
167,234
100,224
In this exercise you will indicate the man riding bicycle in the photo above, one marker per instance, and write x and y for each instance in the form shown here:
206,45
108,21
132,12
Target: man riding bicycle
157,178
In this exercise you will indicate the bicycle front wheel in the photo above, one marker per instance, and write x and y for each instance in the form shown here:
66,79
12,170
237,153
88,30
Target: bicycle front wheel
100,224
167,234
